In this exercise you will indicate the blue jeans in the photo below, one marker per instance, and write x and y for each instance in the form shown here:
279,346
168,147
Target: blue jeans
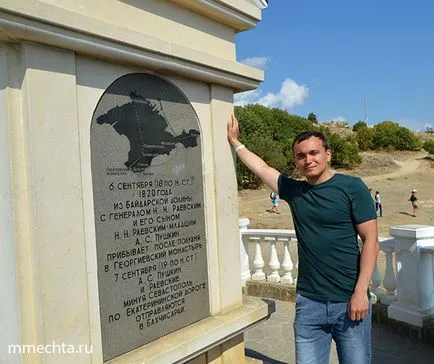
317,322
379,206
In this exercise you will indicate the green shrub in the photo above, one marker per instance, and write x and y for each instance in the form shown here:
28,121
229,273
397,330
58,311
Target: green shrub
407,140
391,136
344,154
429,146
365,138
252,119
312,118
351,138
270,151
359,125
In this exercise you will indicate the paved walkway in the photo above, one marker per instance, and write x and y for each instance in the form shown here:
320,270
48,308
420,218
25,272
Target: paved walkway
273,342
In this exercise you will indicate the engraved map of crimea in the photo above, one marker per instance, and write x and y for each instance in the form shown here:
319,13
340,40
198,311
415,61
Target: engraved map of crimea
146,156
147,130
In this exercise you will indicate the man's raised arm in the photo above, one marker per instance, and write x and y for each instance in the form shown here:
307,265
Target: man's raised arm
267,174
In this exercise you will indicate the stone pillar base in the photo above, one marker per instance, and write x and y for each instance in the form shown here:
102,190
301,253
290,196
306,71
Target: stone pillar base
408,315
221,334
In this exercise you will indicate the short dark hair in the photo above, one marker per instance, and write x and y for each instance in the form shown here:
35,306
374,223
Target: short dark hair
309,134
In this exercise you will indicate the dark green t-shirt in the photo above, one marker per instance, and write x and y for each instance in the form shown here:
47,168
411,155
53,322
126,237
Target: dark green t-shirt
325,218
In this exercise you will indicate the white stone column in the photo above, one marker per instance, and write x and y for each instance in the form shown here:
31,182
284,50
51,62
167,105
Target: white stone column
287,264
258,261
9,310
244,252
389,281
274,261
427,271
51,80
414,274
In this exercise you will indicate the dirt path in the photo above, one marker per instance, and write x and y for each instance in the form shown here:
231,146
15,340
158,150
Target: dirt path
406,167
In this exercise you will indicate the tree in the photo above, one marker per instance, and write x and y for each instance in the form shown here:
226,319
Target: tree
312,118
429,130
359,125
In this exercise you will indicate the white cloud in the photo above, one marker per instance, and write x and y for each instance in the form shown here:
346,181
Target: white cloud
248,97
257,62
290,95
426,126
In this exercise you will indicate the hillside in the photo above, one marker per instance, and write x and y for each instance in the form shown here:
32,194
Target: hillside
345,130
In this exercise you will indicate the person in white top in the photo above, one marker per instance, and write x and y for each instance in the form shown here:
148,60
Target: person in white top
378,204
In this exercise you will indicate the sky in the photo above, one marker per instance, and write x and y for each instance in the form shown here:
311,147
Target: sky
334,57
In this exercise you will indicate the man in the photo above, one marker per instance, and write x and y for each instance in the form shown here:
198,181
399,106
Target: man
328,211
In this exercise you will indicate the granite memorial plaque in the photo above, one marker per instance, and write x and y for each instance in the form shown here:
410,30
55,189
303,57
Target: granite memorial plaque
149,212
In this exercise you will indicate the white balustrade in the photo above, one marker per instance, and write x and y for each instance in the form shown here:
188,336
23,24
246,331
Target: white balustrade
389,281
427,270
414,274
244,255
376,283
274,261
287,263
258,261
408,283
280,241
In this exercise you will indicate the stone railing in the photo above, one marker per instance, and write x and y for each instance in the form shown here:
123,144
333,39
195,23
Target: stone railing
272,237
270,255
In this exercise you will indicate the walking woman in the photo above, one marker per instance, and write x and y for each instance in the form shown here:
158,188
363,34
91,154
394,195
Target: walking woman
413,200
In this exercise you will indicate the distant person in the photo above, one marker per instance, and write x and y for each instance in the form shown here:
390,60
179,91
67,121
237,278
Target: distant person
378,204
413,200
274,202
329,210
